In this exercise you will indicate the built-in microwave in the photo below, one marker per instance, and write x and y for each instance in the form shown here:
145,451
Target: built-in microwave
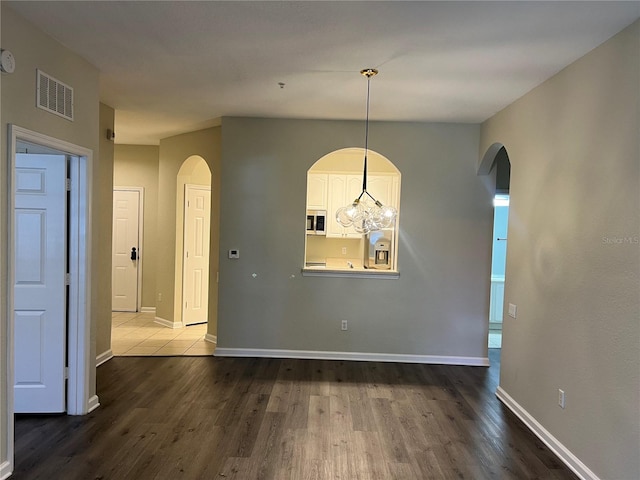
316,222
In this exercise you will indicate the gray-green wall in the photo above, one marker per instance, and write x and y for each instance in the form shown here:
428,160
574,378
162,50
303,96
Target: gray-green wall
573,259
440,304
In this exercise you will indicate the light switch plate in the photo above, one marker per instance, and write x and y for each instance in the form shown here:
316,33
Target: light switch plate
561,398
512,310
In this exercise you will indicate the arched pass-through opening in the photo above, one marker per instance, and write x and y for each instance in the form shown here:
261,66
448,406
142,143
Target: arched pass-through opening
336,180
496,162
193,220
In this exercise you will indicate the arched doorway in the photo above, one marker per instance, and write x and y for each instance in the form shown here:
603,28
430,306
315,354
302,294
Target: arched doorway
193,220
496,161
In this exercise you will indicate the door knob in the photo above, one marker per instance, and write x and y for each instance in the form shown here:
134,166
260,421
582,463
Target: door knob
134,254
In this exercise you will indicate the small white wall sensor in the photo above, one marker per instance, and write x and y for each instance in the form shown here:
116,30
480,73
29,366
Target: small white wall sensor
7,61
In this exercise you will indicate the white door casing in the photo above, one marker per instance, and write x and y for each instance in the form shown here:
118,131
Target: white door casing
127,220
80,390
39,283
197,220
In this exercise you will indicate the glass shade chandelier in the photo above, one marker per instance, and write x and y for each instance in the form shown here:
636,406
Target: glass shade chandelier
365,213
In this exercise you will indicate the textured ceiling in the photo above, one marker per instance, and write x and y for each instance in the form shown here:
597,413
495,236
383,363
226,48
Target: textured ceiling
171,67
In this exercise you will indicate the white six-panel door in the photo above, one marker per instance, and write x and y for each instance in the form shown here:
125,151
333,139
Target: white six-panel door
40,287
124,284
197,219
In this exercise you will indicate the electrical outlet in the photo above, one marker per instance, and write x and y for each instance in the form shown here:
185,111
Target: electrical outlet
512,310
344,250
159,297
344,325
561,398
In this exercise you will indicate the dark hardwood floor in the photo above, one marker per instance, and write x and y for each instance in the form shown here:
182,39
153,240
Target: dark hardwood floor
245,419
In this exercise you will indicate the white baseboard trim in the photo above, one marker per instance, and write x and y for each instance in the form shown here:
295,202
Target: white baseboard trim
562,452
211,338
148,309
104,357
168,323
356,356
94,402
5,470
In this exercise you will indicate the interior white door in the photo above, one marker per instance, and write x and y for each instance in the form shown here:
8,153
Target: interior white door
195,283
126,234
40,283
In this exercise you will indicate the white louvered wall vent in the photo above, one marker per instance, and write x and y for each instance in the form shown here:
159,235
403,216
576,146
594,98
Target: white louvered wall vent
54,96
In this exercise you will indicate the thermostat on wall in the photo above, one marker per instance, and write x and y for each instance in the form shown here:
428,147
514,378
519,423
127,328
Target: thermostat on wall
234,253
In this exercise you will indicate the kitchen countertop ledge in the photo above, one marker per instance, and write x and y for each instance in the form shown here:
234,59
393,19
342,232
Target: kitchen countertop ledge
320,271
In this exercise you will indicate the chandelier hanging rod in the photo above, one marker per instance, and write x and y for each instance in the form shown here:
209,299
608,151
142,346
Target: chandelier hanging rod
367,72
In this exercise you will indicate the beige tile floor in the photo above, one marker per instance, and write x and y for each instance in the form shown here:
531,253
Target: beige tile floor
137,334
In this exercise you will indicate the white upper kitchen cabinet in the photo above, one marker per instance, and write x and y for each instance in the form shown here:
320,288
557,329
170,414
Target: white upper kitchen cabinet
317,191
384,188
342,190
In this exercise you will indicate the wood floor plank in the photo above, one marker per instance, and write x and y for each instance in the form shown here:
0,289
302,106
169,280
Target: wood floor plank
186,418
317,469
318,434
404,471
343,455
369,451
279,398
426,462
266,452
322,376
361,417
241,443
292,454
390,431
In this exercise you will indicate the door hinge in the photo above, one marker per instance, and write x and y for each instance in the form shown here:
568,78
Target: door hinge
68,183
67,279
66,373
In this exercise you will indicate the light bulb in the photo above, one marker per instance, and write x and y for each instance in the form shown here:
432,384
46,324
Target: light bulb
343,217
366,217
346,215
389,214
361,225
377,215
